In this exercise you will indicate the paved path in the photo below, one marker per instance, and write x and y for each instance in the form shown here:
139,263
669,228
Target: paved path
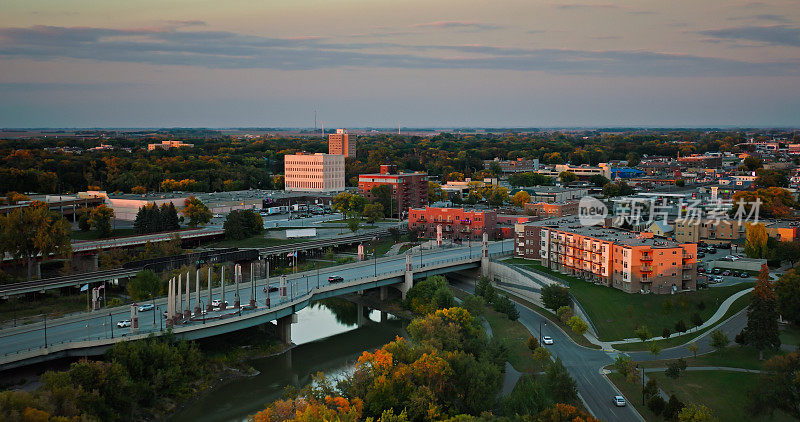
510,379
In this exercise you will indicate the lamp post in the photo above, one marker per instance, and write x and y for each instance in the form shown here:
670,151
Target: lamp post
375,256
637,366
154,310
540,331
111,323
45,330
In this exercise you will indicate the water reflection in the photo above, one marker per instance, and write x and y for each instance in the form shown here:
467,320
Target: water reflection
330,336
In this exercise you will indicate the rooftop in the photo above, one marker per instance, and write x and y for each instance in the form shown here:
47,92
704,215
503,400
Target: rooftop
572,224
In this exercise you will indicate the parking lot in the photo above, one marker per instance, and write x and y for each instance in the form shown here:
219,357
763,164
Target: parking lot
720,254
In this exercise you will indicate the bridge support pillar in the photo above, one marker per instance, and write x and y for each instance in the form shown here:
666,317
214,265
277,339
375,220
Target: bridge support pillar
285,329
384,292
95,262
362,319
408,282
38,272
485,256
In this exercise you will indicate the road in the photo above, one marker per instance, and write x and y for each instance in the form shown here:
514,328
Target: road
96,325
585,365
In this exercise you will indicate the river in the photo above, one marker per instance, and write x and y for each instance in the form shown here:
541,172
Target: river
328,339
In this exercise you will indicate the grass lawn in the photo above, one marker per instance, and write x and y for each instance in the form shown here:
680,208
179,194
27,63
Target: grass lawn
724,392
790,334
93,235
617,314
734,356
513,333
674,341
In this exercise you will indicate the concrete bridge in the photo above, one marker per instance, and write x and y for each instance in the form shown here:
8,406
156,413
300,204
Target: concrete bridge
92,333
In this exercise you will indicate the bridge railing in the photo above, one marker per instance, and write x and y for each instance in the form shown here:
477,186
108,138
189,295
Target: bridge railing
296,295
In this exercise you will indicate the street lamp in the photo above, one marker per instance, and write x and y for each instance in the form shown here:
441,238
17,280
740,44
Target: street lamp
45,330
111,323
154,310
540,331
637,367
375,256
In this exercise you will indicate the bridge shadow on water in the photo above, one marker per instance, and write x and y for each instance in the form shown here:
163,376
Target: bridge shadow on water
331,342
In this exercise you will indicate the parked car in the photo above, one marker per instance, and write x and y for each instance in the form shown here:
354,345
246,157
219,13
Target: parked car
714,279
701,269
701,254
716,271
619,401
124,323
724,246
702,244
711,250
547,340
744,274
726,273
146,307
731,258
335,279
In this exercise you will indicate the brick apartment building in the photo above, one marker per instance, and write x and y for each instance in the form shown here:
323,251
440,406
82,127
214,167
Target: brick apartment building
457,223
548,210
306,172
340,143
616,258
409,190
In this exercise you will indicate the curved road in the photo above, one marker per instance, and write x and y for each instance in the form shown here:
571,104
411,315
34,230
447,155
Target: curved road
585,365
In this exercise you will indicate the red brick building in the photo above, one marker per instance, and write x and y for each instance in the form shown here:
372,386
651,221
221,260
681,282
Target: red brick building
409,190
457,223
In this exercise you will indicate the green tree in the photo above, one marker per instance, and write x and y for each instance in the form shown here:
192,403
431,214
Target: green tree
562,387
505,305
633,159
435,192
761,330
672,408
787,291
696,413
353,225
692,347
567,177
196,211
656,404
719,340
541,354
673,369
696,319
382,194
778,387
564,313
666,332
144,285
169,217
680,326
532,343
341,203
100,220
529,397
372,213
555,296
241,224
577,324
642,333
654,348
598,180
83,220
29,232
485,289
474,304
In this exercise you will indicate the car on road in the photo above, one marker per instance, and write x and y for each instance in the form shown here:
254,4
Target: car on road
216,303
619,401
124,323
271,289
146,307
547,340
335,279
716,271
701,254
726,273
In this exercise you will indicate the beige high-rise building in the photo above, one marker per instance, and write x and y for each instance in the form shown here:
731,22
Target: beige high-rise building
340,143
306,172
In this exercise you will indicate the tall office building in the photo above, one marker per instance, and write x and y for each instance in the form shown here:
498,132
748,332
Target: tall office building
318,172
340,143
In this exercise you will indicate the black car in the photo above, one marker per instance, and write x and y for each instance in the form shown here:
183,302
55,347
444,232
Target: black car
711,250
335,279
701,254
716,271
271,289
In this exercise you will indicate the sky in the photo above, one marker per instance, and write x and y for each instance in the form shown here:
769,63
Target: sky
389,63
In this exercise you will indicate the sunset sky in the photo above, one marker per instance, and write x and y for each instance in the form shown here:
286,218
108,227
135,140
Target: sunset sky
380,63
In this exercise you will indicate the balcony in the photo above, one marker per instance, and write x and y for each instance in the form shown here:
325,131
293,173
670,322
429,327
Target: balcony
687,276
688,256
646,268
687,267
646,257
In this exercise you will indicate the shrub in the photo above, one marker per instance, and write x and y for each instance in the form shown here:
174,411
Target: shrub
665,332
697,320
564,313
656,404
680,327
555,296
672,408
532,343
651,388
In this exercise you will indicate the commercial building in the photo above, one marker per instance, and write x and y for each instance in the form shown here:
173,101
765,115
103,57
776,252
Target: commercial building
168,145
556,194
582,172
631,262
306,172
551,209
409,190
714,230
340,143
519,165
457,223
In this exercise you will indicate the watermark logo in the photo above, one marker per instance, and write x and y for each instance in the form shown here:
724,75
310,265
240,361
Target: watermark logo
591,211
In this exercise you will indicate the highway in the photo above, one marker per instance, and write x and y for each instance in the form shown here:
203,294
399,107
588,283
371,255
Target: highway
98,325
